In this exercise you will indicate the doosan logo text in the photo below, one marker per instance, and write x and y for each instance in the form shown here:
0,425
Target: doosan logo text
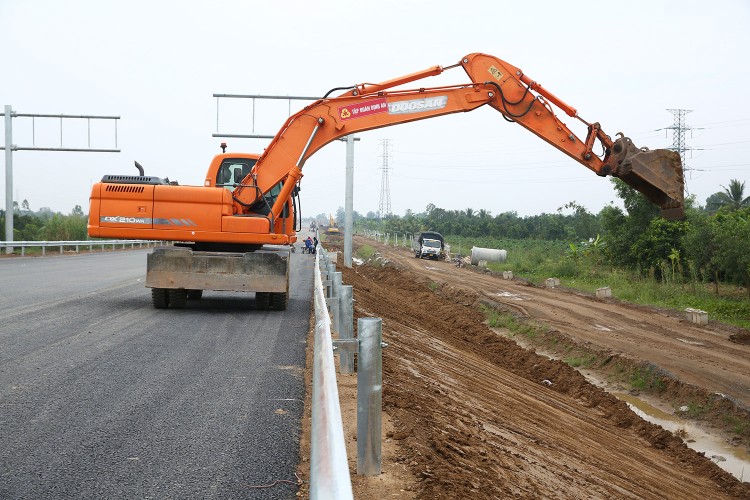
417,105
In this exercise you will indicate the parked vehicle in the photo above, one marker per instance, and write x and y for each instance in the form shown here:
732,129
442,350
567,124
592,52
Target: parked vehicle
429,244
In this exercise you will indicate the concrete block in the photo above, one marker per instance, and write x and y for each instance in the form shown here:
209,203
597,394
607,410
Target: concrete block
603,293
696,316
508,275
552,282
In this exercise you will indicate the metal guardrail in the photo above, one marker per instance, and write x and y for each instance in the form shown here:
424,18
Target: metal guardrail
329,467
23,245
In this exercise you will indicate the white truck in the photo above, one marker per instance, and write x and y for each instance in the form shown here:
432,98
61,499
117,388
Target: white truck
428,244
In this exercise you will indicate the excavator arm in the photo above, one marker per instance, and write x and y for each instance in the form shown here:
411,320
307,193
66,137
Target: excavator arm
656,174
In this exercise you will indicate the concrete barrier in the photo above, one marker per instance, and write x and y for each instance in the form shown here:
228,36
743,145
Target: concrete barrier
697,316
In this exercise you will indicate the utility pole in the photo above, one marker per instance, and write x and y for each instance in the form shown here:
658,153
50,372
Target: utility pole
384,207
678,133
9,147
349,201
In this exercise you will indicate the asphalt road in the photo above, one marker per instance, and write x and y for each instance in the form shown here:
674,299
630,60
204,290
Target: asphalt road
102,396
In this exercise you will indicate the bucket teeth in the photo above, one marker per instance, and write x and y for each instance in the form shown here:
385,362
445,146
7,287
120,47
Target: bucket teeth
657,174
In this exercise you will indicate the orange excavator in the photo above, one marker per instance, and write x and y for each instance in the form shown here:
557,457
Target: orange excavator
248,201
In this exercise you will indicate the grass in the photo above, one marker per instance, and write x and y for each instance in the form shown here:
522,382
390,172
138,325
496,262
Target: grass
365,252
500,319
582,361
739,426
538,260
646,378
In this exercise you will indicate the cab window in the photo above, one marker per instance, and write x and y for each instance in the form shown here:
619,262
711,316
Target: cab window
231,172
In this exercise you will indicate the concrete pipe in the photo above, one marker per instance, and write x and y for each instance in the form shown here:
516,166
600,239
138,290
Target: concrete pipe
488,254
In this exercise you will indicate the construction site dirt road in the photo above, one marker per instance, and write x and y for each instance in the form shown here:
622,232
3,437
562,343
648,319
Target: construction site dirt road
471,414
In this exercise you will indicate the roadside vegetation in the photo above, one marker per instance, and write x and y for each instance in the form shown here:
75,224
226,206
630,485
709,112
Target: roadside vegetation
46,225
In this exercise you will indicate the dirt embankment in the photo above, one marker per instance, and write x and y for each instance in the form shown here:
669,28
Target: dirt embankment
476,416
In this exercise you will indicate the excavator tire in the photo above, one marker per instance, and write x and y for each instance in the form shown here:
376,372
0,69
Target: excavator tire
160,298
279,301
177,298
262,301
194,294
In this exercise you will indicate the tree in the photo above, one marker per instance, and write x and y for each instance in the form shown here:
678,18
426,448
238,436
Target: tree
732,197
733,245
701,247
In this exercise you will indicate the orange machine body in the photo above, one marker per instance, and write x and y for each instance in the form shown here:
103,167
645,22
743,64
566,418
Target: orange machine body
129,207
260,208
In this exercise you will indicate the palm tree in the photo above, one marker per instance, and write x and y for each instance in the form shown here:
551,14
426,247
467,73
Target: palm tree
732,196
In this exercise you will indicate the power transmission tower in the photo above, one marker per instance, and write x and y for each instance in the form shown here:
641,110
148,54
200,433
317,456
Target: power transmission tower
384,208
678,134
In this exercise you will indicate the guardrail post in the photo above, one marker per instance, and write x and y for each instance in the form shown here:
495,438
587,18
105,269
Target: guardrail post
346,360
369,395
334,303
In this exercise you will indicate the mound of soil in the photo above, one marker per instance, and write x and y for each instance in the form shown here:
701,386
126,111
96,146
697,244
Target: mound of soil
477,416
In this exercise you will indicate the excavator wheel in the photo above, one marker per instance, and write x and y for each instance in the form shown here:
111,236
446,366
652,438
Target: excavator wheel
194,294
262,300
177,298
279,301
160,298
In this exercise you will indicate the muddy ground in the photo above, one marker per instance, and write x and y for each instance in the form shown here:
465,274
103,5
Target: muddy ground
471,414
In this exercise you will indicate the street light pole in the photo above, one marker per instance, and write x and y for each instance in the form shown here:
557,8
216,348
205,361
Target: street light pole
8,176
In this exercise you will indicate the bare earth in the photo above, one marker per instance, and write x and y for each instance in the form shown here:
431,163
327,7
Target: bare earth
470,414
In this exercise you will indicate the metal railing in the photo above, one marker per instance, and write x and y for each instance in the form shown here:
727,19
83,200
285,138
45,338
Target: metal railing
23,245
329,472
329,468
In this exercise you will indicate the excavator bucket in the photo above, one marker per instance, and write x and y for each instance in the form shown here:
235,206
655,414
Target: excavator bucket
657,174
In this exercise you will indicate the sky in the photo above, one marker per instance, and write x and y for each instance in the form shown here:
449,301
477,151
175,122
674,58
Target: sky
156,64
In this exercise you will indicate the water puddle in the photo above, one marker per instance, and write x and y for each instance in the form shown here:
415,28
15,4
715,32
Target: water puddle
732,459
508,295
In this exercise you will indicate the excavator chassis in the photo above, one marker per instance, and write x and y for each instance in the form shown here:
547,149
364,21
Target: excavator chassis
176,273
